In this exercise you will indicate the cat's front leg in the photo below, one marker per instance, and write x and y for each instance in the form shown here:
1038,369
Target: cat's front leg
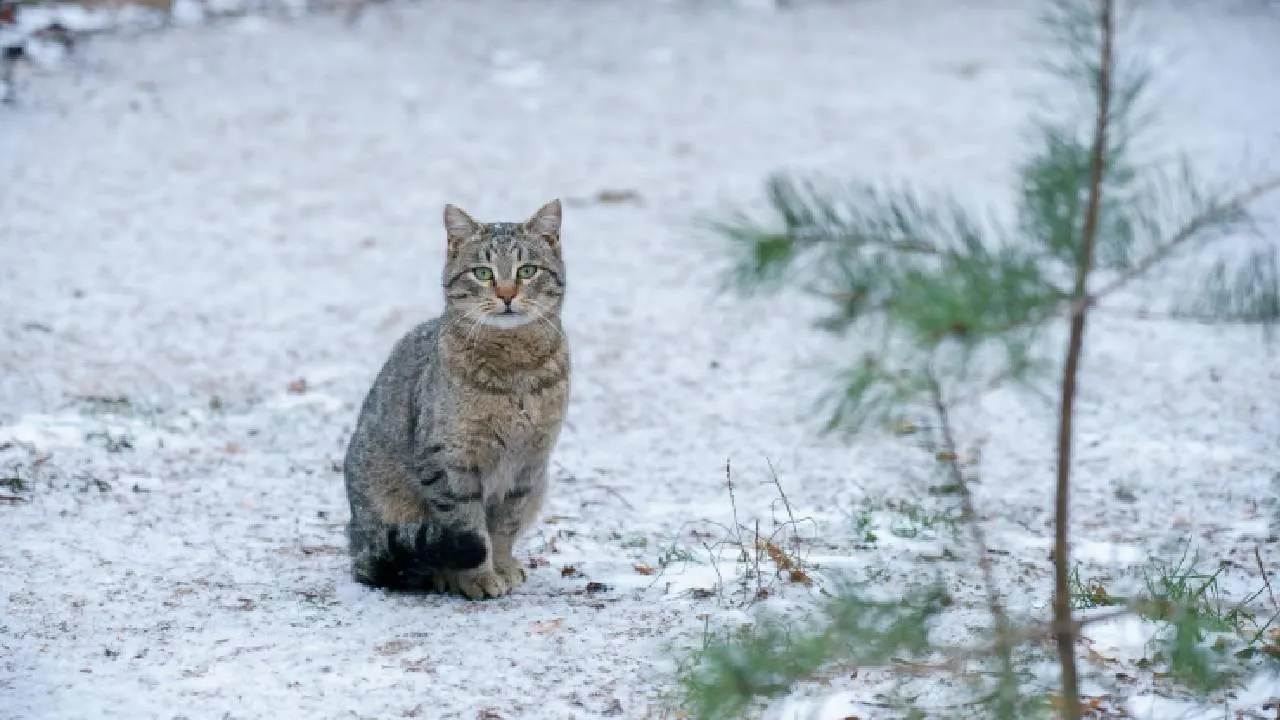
509,517
459,503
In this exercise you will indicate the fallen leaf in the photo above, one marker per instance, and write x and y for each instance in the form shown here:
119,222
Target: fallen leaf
537,562
597,587
542,627
615,197
321,550
392,647
569,571
299,386
420,665
905,428
644,569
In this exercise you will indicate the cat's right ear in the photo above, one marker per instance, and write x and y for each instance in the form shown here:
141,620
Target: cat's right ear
458,226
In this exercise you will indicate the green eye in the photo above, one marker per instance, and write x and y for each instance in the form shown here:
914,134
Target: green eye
527,271
483,273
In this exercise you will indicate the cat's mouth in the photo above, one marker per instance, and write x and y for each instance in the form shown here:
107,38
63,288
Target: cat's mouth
506,319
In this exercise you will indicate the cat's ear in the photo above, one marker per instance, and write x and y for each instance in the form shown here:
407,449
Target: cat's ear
546,223
458,226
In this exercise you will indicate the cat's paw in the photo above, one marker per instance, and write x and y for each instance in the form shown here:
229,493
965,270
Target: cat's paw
477,584
511,572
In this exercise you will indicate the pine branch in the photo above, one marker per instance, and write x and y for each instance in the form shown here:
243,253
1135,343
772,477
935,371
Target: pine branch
1189,231
1251,296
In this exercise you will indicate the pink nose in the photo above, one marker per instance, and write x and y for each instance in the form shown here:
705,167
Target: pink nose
506,292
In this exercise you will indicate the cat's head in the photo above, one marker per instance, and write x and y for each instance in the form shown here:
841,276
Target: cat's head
504,275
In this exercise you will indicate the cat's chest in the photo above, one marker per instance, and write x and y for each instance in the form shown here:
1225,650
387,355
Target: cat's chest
514,424
524,422
508,435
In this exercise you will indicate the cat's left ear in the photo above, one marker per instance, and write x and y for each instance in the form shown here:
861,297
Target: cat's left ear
546,223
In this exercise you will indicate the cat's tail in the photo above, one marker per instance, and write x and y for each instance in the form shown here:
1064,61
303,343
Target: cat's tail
408,554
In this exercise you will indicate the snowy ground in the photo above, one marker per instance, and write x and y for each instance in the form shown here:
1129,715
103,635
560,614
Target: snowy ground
190,221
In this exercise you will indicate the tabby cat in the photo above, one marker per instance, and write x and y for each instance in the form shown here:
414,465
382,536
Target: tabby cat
448,462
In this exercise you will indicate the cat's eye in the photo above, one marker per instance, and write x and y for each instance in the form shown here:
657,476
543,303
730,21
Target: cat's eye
483,274
527,271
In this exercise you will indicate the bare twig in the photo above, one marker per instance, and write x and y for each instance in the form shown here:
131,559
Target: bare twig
1066,633
1257,557
618,495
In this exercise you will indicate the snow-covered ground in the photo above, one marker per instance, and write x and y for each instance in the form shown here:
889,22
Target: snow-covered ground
192,221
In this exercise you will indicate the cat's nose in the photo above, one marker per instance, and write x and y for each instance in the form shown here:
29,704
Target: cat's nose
506,292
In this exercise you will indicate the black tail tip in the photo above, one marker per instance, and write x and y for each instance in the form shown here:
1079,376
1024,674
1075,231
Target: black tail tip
412,568
454,550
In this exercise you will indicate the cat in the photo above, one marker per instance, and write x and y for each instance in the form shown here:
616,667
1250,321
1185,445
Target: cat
447,465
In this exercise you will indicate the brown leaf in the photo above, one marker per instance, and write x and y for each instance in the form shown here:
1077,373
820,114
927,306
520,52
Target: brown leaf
420,665
1098,657
644,569
392,647
617,197
8,13
537,562
569,571
542,627
799,576
321,550
299,386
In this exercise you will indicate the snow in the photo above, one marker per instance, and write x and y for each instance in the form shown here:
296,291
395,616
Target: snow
196,218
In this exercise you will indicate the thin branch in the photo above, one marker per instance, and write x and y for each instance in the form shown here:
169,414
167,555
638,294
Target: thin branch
1185,233
951,459
1014,638
1257,556
1065,634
